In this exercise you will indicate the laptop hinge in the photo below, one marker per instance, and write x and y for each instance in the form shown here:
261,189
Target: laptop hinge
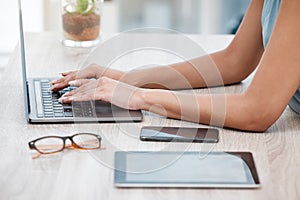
28,102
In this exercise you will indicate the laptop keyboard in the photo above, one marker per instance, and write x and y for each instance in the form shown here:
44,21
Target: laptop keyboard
50,107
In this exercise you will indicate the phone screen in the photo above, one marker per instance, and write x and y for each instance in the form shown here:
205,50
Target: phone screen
180,134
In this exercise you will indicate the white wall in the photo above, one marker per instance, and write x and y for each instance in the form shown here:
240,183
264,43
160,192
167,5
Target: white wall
8,24
52,13
33,19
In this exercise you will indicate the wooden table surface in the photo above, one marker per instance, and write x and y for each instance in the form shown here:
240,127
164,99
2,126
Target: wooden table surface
89,175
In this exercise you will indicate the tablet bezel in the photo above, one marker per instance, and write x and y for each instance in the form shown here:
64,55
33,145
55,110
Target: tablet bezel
120,176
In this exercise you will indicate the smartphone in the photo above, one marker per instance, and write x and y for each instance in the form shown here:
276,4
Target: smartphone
179,134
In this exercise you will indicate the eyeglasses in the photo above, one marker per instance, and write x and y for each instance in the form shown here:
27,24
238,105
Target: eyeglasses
54,144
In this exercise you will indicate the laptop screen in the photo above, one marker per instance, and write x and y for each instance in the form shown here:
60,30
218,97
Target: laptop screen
23,61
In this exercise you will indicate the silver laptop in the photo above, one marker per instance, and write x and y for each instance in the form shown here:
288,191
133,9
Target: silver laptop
42,106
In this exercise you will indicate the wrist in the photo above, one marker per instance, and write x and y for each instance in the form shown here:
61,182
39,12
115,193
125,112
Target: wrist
116,74
108,72
143,95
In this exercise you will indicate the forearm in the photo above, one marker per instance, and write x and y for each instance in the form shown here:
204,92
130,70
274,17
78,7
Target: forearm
177,105
108,72
200,72
232,110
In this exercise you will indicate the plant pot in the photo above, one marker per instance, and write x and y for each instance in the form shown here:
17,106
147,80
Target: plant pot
81,24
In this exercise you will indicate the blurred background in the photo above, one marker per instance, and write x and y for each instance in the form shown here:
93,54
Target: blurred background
186,16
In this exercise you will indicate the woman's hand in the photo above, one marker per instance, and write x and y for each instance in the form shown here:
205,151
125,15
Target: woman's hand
92,71
106,89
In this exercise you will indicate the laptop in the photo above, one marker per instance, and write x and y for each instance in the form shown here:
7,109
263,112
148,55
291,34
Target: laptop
42,106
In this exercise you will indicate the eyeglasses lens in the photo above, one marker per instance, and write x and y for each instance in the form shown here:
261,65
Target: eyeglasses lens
87,141
49,145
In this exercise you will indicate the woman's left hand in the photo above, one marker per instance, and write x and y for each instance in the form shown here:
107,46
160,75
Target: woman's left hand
105,89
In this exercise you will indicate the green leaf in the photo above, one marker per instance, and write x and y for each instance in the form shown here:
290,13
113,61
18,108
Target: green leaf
82,6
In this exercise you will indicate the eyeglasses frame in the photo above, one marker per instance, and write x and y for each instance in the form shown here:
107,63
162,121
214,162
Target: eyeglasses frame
73,144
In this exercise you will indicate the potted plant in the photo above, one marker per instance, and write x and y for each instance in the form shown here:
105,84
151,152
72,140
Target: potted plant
81,20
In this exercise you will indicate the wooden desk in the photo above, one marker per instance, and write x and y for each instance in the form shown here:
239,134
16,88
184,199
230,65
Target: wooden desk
89,175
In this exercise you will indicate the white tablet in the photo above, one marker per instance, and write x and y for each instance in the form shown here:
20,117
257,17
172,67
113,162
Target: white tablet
185,169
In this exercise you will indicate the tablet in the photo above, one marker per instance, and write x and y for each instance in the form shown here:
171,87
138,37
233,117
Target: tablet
185,169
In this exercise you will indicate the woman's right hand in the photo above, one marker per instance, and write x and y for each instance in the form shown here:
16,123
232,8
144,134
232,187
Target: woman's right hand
92,71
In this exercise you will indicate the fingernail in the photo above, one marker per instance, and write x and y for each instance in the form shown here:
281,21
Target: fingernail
71,98
50,89
67,93
60,100
72,83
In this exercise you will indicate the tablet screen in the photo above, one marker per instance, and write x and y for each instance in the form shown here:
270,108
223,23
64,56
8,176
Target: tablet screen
185,169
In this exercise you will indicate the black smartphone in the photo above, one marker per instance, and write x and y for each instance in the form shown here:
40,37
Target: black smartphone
179,134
